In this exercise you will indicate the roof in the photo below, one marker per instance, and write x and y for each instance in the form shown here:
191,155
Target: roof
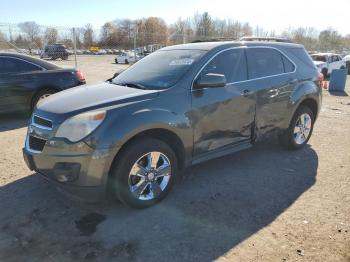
227,44
40,62
324,54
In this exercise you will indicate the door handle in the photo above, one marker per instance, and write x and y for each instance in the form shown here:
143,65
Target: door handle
246,92
293,81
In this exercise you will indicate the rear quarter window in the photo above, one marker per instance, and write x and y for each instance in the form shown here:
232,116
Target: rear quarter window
288,66
299,54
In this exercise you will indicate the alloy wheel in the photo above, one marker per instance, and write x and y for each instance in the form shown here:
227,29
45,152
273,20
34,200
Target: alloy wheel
149,176
302,128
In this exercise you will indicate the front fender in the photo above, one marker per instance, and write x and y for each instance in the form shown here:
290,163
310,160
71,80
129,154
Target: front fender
118,130
146,119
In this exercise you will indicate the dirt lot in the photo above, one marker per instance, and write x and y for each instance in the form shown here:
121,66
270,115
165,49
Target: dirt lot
263,204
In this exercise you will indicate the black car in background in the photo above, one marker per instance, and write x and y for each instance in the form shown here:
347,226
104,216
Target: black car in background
25,80
54,52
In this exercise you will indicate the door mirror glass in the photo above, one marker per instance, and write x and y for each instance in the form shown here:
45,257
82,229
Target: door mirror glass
210,81
115,75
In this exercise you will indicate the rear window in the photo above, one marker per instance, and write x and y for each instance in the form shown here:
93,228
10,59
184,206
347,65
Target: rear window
264,62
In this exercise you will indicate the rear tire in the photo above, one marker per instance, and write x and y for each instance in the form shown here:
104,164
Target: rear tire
126,61
150,187
297,135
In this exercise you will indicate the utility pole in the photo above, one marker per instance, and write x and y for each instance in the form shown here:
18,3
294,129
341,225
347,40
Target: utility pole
135,36
184,40
75,48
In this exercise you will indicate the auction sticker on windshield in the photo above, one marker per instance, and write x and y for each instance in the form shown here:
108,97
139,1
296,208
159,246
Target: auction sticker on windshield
182,61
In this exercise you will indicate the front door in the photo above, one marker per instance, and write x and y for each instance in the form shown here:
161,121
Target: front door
224,116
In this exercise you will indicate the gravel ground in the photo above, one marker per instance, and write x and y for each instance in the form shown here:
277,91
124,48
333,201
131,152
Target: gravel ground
262,204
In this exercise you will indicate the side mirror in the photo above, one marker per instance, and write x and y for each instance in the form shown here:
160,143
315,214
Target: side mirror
115,75
210,81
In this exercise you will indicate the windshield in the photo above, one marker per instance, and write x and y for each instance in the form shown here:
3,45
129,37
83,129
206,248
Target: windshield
159,70
319,58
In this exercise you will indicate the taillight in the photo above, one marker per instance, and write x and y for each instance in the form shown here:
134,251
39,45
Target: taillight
320,77
80,76
321,82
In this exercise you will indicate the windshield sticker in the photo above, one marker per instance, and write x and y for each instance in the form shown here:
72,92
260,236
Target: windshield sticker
182,61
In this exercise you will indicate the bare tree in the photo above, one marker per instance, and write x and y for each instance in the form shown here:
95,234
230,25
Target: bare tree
31,29
329,39
88,36
205,27
51,35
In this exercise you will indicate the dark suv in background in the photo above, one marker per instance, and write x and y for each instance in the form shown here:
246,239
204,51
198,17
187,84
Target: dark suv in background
54,52
179,106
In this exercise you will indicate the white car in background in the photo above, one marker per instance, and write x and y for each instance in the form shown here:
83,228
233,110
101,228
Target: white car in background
126,58
347,62
327,62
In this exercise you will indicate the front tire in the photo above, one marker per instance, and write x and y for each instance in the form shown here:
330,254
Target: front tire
126,61
300,129
144,172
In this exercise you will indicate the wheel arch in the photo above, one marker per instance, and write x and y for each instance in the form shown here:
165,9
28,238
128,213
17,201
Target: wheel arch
310,103
40,89
307,94
167,136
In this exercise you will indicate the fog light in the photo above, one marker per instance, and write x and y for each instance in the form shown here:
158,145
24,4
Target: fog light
66,172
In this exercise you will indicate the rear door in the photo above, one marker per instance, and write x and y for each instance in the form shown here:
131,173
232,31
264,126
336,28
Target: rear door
273,77
223,116
17,82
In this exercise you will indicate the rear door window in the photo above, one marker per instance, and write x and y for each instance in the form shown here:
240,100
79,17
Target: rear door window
264,62
230,63
12,65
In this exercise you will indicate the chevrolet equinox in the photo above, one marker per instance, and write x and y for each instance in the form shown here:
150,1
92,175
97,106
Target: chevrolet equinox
179,106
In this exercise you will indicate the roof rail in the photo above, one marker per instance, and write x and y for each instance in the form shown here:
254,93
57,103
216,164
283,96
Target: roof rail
266,39
217,39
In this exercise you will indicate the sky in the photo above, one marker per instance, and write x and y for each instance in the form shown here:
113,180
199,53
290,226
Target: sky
270,14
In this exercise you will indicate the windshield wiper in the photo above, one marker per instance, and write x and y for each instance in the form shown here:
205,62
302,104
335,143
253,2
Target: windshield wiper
132,85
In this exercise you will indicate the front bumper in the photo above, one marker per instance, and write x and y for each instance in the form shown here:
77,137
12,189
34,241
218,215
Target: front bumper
74,168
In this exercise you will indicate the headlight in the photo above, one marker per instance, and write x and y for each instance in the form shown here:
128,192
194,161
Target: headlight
79,126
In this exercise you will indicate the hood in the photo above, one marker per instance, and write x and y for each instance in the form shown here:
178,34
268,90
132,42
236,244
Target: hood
318,63
90,97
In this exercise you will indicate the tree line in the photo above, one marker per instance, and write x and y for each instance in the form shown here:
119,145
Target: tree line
123,33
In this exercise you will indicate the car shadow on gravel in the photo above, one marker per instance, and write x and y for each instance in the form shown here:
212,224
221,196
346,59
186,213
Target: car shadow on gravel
13,121
338,93
215,206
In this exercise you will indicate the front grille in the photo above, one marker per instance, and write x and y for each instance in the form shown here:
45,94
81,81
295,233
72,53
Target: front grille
42,122
36,143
